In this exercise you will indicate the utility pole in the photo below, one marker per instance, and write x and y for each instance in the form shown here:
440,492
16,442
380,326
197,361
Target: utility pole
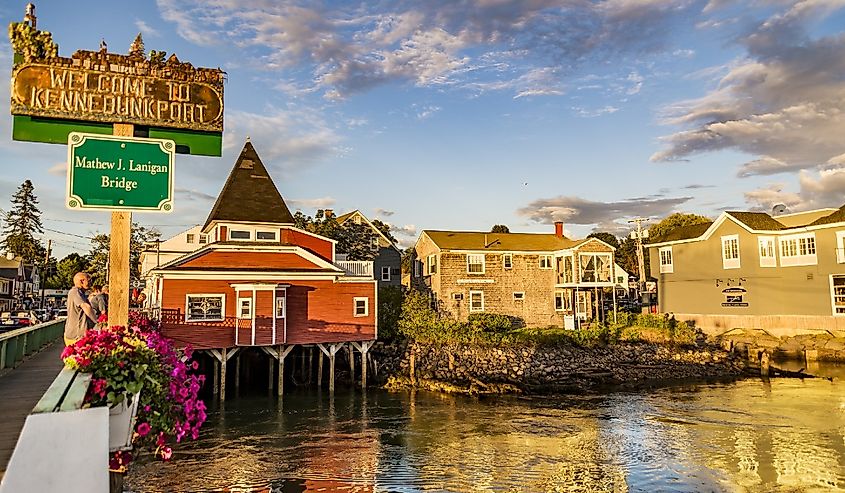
640,257
46,267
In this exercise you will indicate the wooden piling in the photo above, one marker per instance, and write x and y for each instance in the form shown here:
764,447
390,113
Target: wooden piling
764,363
320,369
310,363
237,373
332,354
351,352
280,385
215,390
223,374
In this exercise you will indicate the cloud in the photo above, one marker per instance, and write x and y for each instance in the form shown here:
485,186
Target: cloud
427,111
588,113
817,189
528,47
194,195
783,102
285,139
576,210
383,212
409,230
58,169
697,186
318,203
146,29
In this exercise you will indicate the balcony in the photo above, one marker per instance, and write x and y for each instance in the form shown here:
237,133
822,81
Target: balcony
357,268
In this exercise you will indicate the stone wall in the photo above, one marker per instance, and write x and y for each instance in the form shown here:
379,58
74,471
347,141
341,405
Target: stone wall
546,368
776,325
809,346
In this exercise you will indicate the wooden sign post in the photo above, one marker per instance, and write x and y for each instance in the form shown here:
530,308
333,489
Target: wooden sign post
119,241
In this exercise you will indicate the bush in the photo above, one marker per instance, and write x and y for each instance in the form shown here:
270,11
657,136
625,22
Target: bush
389,311
489,322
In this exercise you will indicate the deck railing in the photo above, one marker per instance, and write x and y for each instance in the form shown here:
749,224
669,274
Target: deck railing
358,268
17,344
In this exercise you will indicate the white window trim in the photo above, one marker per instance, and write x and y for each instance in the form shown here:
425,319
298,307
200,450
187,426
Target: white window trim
519,295
206,295
203,239
272,231
471,310
833,297
189,238
385,269
666,267
247,231
431,261
730,263
766,261
483,263
595,263
549,262
241,301
507,264
284,303
797,259
366,306
840,247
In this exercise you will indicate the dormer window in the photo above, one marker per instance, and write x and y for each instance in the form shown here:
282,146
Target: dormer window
239,234
203,239
265,236
189,238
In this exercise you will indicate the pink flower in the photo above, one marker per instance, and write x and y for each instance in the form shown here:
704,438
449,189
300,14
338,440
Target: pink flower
166,453
143,429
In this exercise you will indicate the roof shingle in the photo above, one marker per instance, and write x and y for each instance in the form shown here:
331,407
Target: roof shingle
519,242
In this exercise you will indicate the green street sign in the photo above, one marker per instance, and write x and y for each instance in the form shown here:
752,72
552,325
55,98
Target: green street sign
107,172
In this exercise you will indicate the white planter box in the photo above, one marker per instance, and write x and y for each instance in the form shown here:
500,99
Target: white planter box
122,423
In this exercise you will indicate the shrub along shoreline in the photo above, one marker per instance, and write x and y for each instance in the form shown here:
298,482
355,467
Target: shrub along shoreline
490,353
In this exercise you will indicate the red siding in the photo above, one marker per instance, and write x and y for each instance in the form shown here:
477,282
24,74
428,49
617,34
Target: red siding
247,260
223,234
322,311
318,312
317,246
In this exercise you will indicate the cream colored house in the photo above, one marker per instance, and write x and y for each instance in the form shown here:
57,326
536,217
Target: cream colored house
544,279
753,270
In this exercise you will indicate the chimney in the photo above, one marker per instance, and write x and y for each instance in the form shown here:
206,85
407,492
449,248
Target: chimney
559,229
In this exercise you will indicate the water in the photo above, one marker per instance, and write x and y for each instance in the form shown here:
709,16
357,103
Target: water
784,435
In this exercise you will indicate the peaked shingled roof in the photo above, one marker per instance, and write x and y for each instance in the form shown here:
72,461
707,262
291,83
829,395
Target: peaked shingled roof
476,240
249,194
759,221
836,217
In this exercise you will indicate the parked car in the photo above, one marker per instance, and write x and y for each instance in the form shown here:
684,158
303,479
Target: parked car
12,323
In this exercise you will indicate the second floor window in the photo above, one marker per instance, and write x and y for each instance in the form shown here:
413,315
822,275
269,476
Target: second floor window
666,265
545,261
475,263
432,264
730,252
385,273
204,307
767,251
507,261
798,250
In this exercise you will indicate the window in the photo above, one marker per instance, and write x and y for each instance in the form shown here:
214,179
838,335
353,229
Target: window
457,296
568,269
798,250
265,236
518,295
767,251
475,263
385,273
563,301
417,268
432,264
507,261
545,261
595,267
189,238
203,239
837,294
362,307
236,234
730,252
204,307
666,265
840,247
280,307
245,308
476,301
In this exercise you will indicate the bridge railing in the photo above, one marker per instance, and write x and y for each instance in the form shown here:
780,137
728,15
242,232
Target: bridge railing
17,344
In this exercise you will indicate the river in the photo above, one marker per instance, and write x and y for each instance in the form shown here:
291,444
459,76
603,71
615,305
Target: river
781,435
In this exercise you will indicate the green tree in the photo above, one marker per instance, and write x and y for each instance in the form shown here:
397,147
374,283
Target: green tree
357,240
66,268
98,257
626,257
385,230
608,238
500,228
22,223
674,221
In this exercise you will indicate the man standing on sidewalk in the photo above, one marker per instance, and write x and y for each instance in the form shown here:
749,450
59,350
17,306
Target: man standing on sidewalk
80,315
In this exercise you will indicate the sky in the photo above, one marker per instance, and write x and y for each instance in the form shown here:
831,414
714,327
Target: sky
458,115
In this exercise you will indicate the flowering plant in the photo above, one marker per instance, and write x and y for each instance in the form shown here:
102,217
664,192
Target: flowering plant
125,361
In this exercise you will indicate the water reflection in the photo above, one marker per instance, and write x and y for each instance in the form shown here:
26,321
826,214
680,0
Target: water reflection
755,436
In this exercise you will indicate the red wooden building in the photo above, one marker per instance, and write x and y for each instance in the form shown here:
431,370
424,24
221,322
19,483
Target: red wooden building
261,282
